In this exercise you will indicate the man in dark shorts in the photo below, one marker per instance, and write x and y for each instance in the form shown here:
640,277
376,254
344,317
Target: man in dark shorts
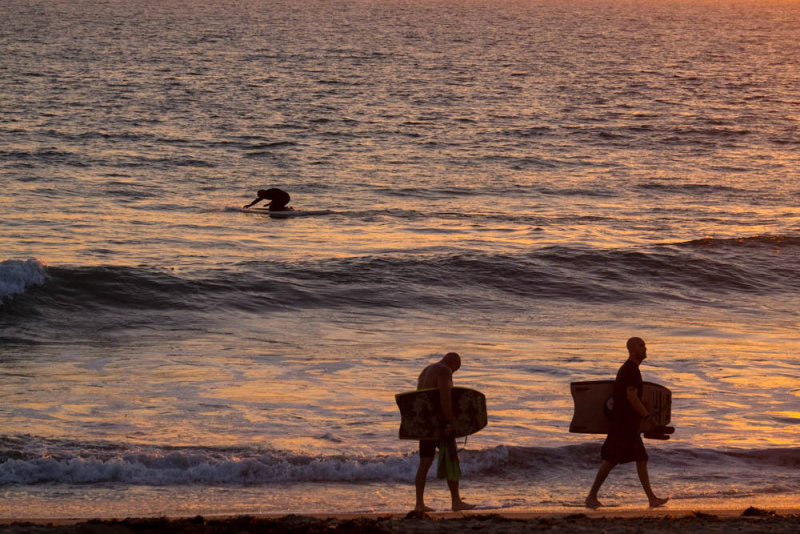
439,375
624,444
278,199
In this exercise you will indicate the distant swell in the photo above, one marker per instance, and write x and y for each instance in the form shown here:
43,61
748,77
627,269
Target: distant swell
774,242
696,270
689,189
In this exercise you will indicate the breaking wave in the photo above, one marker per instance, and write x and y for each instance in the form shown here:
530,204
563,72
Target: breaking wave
693,270
16,276
26,460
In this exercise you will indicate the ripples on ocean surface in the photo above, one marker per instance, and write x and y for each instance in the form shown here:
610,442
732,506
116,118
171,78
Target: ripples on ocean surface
528,183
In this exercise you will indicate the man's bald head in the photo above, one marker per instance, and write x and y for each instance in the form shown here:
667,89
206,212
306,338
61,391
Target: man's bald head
637,350
452,360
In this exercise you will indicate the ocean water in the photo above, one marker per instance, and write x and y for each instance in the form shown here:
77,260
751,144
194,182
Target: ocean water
528,183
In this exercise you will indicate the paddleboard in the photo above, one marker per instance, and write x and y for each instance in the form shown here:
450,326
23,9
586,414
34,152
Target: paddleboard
421,414
592,408
287,213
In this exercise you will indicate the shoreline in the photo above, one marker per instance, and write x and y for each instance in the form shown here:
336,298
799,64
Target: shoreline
751,519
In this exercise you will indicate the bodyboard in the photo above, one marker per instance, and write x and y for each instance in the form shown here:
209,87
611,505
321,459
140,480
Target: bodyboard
591,415
421,413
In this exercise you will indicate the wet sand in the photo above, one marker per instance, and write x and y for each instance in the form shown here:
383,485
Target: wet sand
751,520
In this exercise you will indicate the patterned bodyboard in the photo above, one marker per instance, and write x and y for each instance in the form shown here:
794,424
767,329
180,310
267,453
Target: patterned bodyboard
591,414
420,413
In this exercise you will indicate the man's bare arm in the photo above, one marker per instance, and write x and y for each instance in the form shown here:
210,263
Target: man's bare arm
633,398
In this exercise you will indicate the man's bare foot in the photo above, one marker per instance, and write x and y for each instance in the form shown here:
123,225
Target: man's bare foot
461,505
423,508
656,502
592,502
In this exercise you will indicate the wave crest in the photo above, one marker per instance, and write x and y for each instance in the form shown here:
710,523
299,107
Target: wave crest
770,241
697,270
16,276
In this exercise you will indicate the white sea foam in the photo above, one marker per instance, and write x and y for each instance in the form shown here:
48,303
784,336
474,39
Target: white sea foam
18,275
202,467
34,462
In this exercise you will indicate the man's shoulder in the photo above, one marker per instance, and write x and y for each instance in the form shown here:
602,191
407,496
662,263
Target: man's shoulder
629,371
431,374
438,368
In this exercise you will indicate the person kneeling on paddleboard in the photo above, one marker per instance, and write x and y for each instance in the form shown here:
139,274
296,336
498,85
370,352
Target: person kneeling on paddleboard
278,199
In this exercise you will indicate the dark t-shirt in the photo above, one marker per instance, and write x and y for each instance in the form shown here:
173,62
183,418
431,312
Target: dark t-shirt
623,415
624,444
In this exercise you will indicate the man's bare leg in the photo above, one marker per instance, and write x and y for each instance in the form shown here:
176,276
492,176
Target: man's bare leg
422,474
602,473
458,504
644,478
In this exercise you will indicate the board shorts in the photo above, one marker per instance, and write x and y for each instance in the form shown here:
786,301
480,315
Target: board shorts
427,448
622,448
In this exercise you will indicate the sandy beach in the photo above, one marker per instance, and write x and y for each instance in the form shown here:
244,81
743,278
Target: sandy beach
656,521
